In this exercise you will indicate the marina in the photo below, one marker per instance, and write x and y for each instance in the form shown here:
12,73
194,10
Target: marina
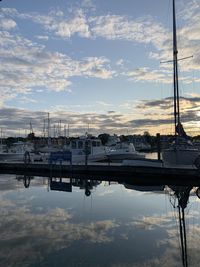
99,133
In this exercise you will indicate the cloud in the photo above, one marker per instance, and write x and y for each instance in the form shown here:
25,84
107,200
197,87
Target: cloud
112,27
76,25
186,103
26,65
62,25
78,122
7,24
188,39
46,232
141,30
103,103
150,223
147,75
25,99
42,37
120,62
146,30
88,4
156,116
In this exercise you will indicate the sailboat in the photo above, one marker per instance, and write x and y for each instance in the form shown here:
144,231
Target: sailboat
181,152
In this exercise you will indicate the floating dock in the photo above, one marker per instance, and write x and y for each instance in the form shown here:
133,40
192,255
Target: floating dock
147,174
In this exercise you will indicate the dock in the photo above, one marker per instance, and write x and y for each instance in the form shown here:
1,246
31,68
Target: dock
147,174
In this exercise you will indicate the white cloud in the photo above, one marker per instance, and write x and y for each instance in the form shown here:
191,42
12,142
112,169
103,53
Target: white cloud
64,26
146,30
26,65
26,99
147,75
54,229
42,37
7,24
67,28
116,27
188,36
103,103
112,27
120,62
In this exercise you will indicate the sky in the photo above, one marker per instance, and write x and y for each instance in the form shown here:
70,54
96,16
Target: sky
97,65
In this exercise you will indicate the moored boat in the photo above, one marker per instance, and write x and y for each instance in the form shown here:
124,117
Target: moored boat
181,152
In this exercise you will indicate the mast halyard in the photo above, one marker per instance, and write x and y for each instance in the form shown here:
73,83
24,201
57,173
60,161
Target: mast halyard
175,76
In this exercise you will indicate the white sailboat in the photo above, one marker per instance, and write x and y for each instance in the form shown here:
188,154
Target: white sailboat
181,151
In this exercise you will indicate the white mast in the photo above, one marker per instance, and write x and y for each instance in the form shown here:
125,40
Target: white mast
48,131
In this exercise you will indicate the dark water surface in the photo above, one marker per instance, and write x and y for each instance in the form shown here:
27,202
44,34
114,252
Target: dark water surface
98,223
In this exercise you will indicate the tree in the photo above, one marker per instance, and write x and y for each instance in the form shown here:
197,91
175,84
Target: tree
147,137
104,138
31,136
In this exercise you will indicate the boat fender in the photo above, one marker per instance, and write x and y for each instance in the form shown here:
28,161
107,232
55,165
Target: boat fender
197,162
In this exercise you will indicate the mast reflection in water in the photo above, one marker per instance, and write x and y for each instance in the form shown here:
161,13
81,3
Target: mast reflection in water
92,222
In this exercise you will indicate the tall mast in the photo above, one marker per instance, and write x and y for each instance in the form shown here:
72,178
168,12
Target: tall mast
175,71
48,131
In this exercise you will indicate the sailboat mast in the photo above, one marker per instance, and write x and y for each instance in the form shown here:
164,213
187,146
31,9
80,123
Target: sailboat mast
48,131
175,70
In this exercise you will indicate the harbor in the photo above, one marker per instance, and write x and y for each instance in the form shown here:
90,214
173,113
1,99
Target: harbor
99,133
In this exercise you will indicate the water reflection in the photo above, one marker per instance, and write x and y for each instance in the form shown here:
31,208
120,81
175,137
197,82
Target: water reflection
179,199
63,184
26,179
75,222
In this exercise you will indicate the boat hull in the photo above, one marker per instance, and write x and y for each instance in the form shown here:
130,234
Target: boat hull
11,156
119,157
180,156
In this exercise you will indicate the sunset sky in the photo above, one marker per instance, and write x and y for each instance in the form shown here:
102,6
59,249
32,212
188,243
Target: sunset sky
97,64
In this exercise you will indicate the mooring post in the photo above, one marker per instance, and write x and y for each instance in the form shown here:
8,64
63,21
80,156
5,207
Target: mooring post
158,145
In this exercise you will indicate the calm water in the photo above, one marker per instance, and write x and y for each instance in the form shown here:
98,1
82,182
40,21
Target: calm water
96,224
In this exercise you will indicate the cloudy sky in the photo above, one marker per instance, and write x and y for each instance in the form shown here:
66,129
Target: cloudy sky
97,63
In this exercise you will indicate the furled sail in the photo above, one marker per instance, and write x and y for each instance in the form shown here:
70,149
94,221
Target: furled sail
180,130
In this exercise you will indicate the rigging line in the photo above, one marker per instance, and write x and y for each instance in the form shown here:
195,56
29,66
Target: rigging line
170,61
